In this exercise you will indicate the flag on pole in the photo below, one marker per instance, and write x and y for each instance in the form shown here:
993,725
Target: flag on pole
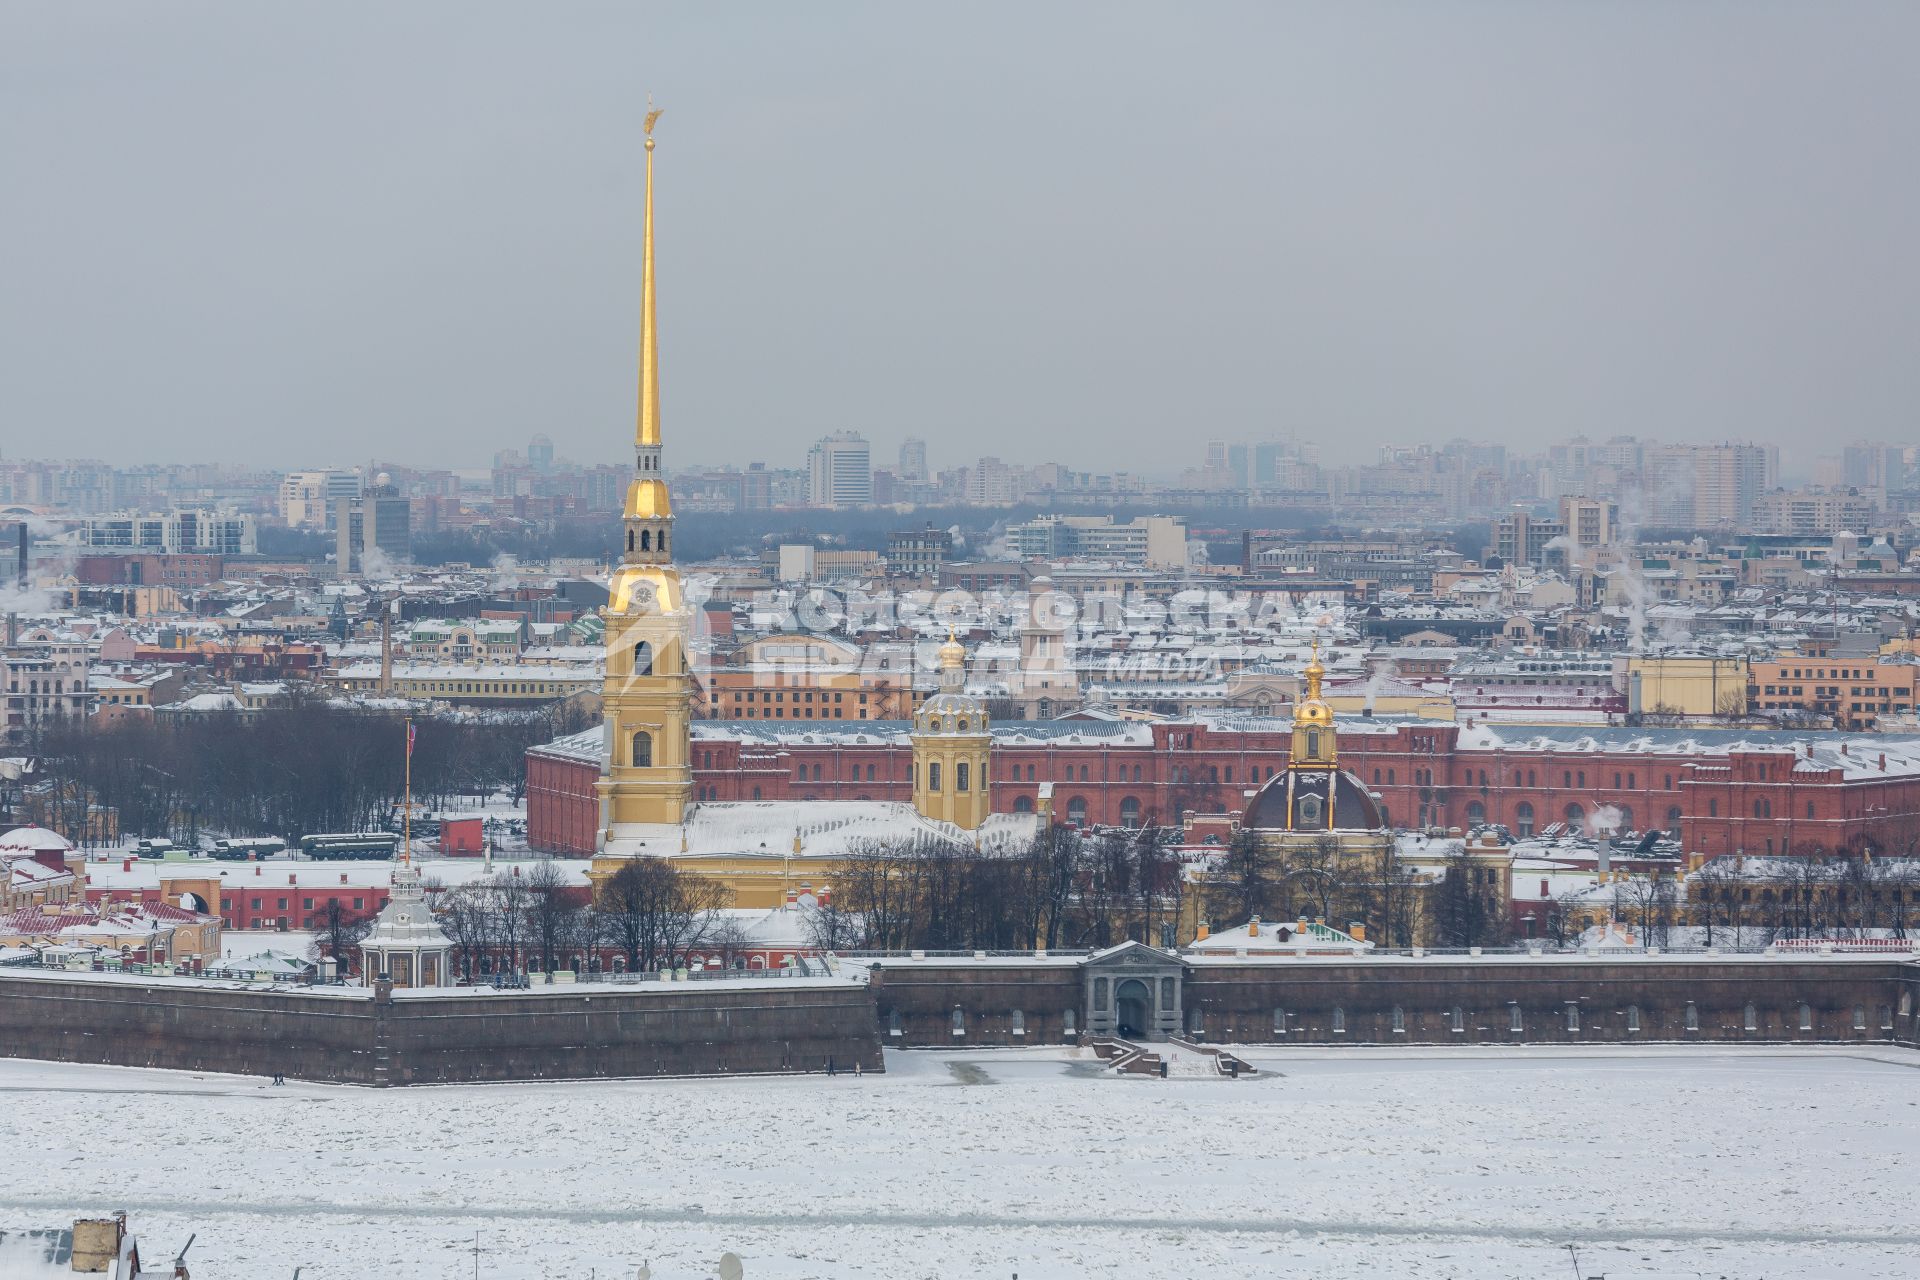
411,731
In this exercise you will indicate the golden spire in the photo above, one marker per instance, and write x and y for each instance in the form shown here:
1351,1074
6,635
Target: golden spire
648,433
1312,708
1315,672
648,556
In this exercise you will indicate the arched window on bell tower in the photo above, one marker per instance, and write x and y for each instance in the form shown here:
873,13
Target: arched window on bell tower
642,659
643,750
646,540
629,539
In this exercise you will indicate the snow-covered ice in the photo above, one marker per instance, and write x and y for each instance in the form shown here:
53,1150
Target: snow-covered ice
1446,1163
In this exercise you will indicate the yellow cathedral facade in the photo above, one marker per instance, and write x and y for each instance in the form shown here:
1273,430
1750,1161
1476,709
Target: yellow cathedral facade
759,850
648,695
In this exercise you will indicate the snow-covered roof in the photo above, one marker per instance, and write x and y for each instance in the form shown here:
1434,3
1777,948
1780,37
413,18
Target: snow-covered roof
817,828
30,840
1855,756
1280,937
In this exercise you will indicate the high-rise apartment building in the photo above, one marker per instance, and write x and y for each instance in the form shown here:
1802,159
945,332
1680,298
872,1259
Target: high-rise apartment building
913,462
540,453
1866,464
379,520
1584,526
308,499
992,483
1810,513
840,471
1726,480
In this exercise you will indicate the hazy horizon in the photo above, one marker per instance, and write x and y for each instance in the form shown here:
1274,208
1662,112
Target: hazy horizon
305,235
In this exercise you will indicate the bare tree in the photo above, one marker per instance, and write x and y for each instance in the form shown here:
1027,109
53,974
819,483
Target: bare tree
1384,890
551,912
507,901
342,930
728,938
1647,902
1317,875
654,912
465,918
1898,881
1716,899
1244,886
1466,906
829,928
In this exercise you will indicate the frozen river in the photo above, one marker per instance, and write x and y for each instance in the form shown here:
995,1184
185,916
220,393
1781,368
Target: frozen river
1736,1164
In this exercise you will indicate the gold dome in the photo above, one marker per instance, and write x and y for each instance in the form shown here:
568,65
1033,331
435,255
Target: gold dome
1312,709
647,499
953,654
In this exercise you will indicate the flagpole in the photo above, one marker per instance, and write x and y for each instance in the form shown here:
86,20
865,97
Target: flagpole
406,821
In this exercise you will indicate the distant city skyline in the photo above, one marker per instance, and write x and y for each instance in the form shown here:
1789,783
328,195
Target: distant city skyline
298,233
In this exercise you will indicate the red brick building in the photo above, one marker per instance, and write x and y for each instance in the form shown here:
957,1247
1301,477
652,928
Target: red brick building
248,895
1725,791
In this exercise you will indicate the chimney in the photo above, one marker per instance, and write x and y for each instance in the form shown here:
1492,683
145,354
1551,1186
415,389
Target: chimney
343,877
1357,930
1253,928
386,649
1202,935
793,897
256,868
824,897
126,864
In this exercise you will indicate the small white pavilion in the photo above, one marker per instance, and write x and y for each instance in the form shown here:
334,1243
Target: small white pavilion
406,941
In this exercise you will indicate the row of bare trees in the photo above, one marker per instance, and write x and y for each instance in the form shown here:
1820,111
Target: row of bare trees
1065,888
1373,887
1740,903
650,914
1805,896
285,771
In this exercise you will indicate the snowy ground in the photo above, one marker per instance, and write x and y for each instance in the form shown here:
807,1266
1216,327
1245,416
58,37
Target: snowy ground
1418,1163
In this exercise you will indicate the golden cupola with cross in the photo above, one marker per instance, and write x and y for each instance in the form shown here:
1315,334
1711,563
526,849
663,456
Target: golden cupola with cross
647,696
1314,795
952,747
1314,745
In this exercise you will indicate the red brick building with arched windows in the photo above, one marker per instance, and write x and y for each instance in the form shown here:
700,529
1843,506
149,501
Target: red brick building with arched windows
1725,791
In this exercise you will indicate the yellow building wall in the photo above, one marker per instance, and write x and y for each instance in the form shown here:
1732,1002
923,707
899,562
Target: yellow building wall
1692,686
966,809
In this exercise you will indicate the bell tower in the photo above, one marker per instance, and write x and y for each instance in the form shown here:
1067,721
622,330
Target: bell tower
648,778
952,749
1314,746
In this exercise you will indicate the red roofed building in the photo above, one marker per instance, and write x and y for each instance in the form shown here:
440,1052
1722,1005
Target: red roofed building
1723,790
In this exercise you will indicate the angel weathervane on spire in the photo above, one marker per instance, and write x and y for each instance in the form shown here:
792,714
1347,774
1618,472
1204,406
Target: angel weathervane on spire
653,114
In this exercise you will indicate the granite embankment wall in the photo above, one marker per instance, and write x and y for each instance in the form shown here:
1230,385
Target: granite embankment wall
348,1036
1564,1000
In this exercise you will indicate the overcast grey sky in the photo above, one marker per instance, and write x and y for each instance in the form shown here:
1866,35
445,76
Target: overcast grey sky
1097,234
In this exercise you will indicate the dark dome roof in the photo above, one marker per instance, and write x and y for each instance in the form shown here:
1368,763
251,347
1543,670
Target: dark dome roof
1303,793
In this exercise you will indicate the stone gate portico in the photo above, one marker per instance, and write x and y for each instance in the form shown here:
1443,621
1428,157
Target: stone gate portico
1134,991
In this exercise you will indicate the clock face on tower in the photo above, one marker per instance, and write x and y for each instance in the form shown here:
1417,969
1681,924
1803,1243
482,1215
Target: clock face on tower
643,597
